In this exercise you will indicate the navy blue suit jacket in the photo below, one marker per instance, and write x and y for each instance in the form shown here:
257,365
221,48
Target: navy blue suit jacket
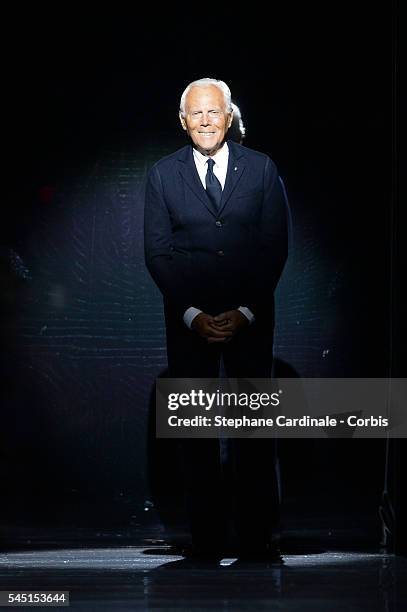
212,259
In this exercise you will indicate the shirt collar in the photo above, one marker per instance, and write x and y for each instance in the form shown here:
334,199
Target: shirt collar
220,158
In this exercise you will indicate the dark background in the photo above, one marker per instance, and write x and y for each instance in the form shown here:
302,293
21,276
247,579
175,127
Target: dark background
90,103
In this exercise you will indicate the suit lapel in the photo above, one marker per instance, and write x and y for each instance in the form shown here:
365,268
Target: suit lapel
236,166
190,175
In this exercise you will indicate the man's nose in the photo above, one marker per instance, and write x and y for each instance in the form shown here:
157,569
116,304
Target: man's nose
205,120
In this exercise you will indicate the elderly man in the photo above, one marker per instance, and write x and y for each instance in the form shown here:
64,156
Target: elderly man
216,244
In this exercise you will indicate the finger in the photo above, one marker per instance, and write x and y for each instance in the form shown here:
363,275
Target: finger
213,340
218,332
220,324
229,326
221,317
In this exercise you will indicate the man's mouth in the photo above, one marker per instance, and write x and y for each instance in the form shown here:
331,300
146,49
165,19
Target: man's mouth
206,133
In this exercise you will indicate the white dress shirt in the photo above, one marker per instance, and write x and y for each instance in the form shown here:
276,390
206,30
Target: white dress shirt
221,159
220,168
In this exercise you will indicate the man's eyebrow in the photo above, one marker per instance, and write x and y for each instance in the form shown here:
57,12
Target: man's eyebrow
195,109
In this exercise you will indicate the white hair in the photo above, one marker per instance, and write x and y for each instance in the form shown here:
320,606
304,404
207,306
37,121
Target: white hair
204,83
237,118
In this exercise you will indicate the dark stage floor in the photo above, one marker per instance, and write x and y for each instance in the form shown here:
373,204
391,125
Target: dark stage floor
140,578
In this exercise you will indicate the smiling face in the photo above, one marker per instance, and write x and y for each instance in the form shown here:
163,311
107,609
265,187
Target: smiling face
206,119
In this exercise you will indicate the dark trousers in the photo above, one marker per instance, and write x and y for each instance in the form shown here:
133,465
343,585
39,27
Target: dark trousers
236,496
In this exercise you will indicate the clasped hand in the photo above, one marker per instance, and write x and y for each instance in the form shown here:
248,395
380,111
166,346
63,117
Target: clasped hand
221,328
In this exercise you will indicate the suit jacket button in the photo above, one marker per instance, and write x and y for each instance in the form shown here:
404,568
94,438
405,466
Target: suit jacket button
218,223
221,253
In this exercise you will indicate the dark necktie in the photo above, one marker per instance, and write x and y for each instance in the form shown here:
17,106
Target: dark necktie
213,186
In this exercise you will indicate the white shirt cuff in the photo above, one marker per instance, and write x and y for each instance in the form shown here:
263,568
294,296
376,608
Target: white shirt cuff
247,313
190,314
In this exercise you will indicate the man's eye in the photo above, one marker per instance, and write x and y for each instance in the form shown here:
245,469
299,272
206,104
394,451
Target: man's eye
214,112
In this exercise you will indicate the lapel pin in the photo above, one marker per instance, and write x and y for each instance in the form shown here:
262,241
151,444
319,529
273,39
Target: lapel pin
235,168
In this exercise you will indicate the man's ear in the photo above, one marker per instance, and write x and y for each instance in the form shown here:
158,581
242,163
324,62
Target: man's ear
230,119
181,118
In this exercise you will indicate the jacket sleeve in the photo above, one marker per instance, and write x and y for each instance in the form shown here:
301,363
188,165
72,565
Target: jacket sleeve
274,230
158,249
